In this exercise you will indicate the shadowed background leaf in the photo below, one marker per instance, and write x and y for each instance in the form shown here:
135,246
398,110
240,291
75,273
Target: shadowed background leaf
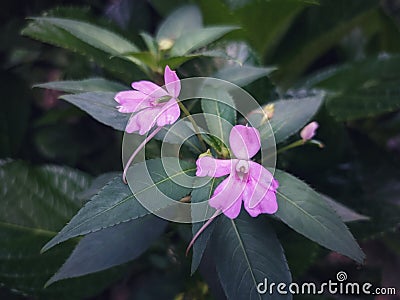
37,202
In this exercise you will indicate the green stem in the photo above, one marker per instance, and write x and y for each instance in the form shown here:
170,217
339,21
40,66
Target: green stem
141,146
196,128
290,146
201,230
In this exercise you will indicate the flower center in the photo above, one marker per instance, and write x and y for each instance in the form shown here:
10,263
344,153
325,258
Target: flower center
242,169
163,99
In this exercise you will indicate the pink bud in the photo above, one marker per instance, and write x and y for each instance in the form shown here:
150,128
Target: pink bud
308,132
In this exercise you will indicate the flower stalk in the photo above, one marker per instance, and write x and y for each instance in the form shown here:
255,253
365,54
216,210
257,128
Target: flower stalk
141,146
196,128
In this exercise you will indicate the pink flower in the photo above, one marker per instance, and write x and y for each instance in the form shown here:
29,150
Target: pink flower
151,104
247,180
308,132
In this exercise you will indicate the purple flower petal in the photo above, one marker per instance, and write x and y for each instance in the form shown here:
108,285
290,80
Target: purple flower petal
209,166
234,210
254,193
228,197
132,125
308,132
149,88
172,82
275,184
247,180
143,120
244,141
132,101
169,113
263,176
268,205
144,101
259,195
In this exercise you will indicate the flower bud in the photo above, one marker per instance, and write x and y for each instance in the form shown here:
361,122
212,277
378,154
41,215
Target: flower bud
165,44
269,110
207,153
308,132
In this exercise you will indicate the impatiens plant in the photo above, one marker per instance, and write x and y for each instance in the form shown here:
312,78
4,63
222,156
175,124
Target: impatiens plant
254,252
226,167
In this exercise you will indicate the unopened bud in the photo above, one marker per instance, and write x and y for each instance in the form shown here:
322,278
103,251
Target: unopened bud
207,153
308,132
269,110
165,44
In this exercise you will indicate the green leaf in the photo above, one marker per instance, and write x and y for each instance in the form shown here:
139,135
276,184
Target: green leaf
182,133
270,20
305,211
144,59
115,202
242,75
220,113
362,89
101,106
346,214
150,42
82,86
111,247
175,61
264,23
19,180
73,12
246,251
25,271
159,178
312,41
95,36
97,183
36,202
195,39
219,147
201,194
182,20
288,118
46,32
